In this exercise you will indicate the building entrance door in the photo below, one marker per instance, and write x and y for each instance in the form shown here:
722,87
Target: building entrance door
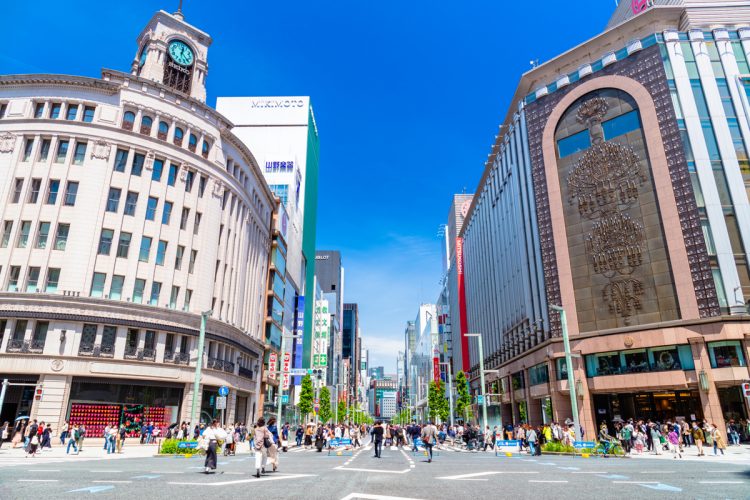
654,406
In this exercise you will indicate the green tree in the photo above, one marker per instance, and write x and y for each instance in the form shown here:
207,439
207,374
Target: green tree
437,402
463,401
325,412
342,411
306,397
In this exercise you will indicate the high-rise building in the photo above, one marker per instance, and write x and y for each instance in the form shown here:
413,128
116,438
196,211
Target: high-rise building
130,207
618,189
349,348
329,274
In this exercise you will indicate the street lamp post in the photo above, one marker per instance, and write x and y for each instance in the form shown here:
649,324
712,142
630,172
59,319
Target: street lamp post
450,390
198,366
481,375
569,364
282,372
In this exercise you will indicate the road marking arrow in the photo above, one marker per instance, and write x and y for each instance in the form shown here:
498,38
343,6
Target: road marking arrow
146,476
661,487
94,489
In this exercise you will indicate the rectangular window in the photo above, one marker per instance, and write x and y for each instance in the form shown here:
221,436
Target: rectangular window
23,236
166,213
7,230
173,297
202,185
54,112
19,332
151,208
281,191
72,112
28,147
197,222
193,258
71,191
36,186
184,344
189,178
138,288
39,110
123,245
155,291
62,151
172,176
725,354
184,218
97,285
88,114
121,159
80,153
169,343
53,278
178,257
157,170
137,166
105,241
131,201
115,289
188,297
39,337
42,235
113,200
52,189
44,150
145,249
621,125
33,280
573,144
149,341
17,190
161,251
109,334
61,236
13,275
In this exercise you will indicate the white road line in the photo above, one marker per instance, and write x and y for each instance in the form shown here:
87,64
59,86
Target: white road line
589,472
462,477
44,470
635,482
545,481
38,480
373,470
352,496
243,481
110,481
657,472
107,471
721,482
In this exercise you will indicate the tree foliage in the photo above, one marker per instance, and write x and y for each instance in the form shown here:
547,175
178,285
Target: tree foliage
403,417
325,412
342,411
463,401
306,397
437,402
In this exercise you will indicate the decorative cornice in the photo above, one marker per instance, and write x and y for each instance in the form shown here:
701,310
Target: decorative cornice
59,81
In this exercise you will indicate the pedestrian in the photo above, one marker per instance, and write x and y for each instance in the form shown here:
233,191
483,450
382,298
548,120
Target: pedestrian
309,431
377,433
299,435
122,433
211,437
4,433
429,438
674,443
112,438
81,437
46,438
656,439
697,435
263,440
605,438
33,443
531,438
64,432
73,441
354,433
719,442
273,450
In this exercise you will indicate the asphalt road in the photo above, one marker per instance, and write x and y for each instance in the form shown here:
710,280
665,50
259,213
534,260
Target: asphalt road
401,474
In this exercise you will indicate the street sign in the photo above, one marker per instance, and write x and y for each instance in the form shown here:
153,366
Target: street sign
223,391
221,403
285,398
480,400
316,408
286,365
299,372
583,444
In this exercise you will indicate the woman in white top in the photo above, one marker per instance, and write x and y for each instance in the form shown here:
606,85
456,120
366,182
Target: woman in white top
211,436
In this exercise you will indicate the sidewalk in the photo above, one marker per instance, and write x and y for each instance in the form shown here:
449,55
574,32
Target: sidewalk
734,454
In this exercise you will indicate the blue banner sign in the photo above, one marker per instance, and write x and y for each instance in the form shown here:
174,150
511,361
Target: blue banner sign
187,444
583,444
341,442
506,443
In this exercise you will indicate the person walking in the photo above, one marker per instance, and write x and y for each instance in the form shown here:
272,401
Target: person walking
4,433
122,433
299,435
532,439
673,438
33,443
273,450
64,432
263,440
697,435
354,433
73,440
429,438
377,433
211,437
719,442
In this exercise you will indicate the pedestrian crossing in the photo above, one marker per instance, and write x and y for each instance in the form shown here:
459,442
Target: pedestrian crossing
16,459
407,448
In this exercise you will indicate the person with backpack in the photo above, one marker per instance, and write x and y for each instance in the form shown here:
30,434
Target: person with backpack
75,436
263,440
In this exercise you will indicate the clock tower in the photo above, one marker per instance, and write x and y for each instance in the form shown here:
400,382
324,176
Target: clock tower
173,53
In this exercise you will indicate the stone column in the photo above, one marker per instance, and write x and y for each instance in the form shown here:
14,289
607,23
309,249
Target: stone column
710,398
52,407
187,404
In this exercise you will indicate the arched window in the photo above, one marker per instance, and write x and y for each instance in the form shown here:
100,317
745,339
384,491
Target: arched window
205,148
146,122
178,135
192,143
163,130
128,120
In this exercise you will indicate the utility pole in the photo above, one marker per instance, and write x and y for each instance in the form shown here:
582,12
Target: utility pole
194,417
569,363
450,390
481,376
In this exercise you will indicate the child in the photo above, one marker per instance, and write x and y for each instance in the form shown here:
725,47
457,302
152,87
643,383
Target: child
674,443
639,441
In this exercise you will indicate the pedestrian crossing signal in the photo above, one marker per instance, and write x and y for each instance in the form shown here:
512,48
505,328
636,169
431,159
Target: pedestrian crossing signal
38,392
746,389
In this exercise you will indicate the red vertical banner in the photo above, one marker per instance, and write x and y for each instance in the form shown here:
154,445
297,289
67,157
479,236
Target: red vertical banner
287,365
436,369
272,365
465,361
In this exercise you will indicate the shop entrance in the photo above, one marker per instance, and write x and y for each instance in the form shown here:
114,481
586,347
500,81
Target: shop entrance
18,398
656,406
732,403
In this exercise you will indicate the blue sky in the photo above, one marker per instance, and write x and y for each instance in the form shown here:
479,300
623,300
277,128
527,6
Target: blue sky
407,96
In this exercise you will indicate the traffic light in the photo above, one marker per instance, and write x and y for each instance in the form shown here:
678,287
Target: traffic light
746,389
38,392
318,373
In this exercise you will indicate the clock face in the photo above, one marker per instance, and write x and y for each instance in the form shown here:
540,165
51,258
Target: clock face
181,53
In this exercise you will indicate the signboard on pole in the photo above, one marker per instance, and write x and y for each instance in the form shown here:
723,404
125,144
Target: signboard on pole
272,358
287,363
298,372
223,391
320,334
221,403
436,369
